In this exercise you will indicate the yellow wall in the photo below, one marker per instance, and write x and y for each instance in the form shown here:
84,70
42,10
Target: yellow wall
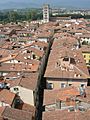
57,84
86,58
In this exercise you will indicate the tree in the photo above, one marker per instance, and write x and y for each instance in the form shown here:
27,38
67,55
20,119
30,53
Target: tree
33,14
13,16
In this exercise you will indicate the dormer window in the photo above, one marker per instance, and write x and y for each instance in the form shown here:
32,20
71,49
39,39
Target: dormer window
72,60
66,59
82,85
28,51
16,89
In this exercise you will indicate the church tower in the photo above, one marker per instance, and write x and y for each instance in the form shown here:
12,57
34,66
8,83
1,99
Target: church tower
46,10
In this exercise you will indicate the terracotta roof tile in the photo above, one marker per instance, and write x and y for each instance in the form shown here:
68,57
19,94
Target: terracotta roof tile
7,96
26,80
65,115
27,107
50,96
15,114
56,66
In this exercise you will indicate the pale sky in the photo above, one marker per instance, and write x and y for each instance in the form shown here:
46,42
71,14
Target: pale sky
73,3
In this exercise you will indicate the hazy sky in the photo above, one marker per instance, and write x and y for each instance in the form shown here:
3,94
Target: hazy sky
73,3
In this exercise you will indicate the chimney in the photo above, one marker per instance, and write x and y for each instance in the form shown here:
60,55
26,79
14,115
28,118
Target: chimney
82,91
58,104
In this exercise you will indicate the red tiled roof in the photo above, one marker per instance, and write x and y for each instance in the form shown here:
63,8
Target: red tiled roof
50,96
6,96
65,115
57,68
15,114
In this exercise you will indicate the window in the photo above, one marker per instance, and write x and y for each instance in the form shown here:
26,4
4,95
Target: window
84,56
16,89
71,109
40,48
62,85
70,84
82,85
66,58
50,85
28,51
81,108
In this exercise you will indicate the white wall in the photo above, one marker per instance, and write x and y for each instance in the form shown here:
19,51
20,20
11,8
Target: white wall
85,39
25,94
12,61
3,73
3,104
43,39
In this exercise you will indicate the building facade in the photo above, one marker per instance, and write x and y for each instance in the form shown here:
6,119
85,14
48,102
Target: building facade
46,13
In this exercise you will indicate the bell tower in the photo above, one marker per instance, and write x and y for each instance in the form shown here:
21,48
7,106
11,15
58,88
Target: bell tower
46,10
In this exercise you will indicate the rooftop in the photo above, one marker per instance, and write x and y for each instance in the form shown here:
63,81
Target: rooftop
26,80
50,96
66,60
65,115
15,114
7,97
